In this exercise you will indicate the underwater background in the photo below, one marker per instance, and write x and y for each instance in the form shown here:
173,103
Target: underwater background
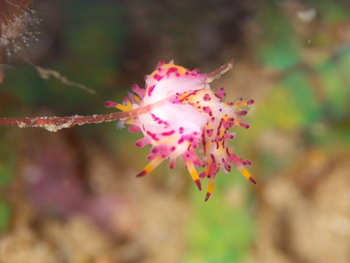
72,196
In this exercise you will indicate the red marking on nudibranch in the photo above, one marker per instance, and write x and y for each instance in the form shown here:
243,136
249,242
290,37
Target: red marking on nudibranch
172,70
150,90
152,135
207,196
252,180
157,77
168,133
159,120
142,173
198,183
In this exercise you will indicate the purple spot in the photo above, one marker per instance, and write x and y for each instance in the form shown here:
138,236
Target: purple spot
210,132
207,110
241,113
154,150
206,97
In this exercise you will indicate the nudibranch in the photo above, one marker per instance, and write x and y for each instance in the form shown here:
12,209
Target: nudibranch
186,117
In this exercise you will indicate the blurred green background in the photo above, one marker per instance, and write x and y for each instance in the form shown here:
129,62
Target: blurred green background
71,196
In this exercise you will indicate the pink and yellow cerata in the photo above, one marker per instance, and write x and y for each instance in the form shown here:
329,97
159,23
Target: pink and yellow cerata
186,117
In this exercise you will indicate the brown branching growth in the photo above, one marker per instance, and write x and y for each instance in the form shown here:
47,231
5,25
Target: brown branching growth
47,73
54,124
216,74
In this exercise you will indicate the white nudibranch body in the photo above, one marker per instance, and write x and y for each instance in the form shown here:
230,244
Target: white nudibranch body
186,115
